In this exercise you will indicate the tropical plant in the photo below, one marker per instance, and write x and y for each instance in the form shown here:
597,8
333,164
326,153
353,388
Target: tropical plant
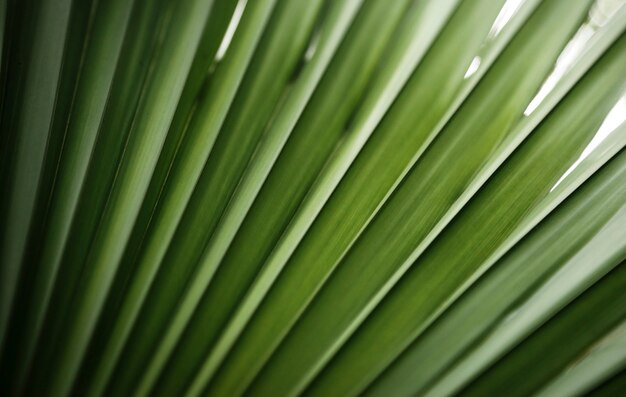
313,197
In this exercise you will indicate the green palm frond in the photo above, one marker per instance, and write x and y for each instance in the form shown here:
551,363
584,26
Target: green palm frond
318,198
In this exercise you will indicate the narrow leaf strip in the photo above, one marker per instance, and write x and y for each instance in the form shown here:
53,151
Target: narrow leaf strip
149,129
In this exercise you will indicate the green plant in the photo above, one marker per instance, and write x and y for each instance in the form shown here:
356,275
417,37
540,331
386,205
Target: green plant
320,197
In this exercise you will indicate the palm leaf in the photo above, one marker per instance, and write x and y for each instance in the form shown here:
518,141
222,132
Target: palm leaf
280,198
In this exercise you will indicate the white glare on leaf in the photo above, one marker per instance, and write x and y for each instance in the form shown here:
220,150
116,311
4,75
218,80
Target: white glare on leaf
615,118
473,67
310,50
599,15
230,31
509,9
568,57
